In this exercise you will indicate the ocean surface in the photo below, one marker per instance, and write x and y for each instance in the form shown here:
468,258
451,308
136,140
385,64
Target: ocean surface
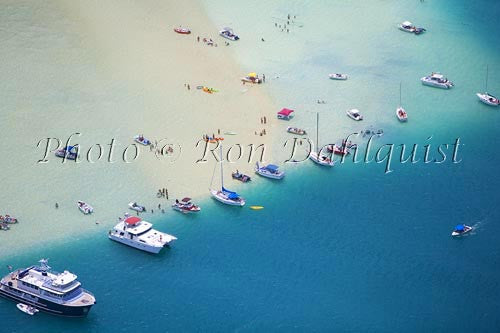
351,248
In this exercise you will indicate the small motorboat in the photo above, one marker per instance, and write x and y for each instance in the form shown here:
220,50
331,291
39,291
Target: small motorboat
488,99
4,226
409,27
229,34
461,229
437,80
295,130
84,207
8,219
338,76
269,171
185,206
401,114
354,114
252,78
136,207
28,309
142,140
184,31
241,177
68,152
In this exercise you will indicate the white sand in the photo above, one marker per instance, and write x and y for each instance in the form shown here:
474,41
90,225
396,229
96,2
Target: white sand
112,69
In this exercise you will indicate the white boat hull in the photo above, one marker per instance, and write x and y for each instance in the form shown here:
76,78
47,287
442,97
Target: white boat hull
85,208
401,114
466,230
314,157
218,197
140,246
266,174
431,83
27,309
487,99
338,76
137,208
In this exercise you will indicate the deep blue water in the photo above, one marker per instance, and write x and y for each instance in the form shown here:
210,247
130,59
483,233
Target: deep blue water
343,249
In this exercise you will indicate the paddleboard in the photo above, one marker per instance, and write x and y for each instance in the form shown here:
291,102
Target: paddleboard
256,207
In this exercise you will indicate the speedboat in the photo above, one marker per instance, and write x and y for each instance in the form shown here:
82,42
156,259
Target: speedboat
252,78
229,34
338,76
185,206
401,114
409,27
136,207
461,229
142,140
134,232
354,114
295,130
84,207
270,171
228,197
68,152
241,177
437,80
28,309
488,99
184,31
8,219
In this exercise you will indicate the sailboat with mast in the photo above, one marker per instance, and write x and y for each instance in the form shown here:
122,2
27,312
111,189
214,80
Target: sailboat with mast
224,195
318,156
488,98
400,111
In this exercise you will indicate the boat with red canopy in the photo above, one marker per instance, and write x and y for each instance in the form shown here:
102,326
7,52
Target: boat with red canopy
185,206
285,114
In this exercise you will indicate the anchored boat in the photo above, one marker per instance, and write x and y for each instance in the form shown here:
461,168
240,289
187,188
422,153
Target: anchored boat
437,80
488,98
185,206
224,195
134,232
85,208
40,288
269,171
229,34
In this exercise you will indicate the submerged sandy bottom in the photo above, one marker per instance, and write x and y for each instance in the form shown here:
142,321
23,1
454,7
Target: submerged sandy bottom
111,70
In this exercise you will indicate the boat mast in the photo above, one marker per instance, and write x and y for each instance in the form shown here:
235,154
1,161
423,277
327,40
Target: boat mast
317,133
400,94
486,91
221,173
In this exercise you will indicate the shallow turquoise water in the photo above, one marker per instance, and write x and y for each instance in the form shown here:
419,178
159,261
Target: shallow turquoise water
343,249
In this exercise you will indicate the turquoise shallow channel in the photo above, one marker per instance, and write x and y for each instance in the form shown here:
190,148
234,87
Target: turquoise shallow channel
345,249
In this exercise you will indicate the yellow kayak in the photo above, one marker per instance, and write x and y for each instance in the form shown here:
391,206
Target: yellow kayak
256,207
